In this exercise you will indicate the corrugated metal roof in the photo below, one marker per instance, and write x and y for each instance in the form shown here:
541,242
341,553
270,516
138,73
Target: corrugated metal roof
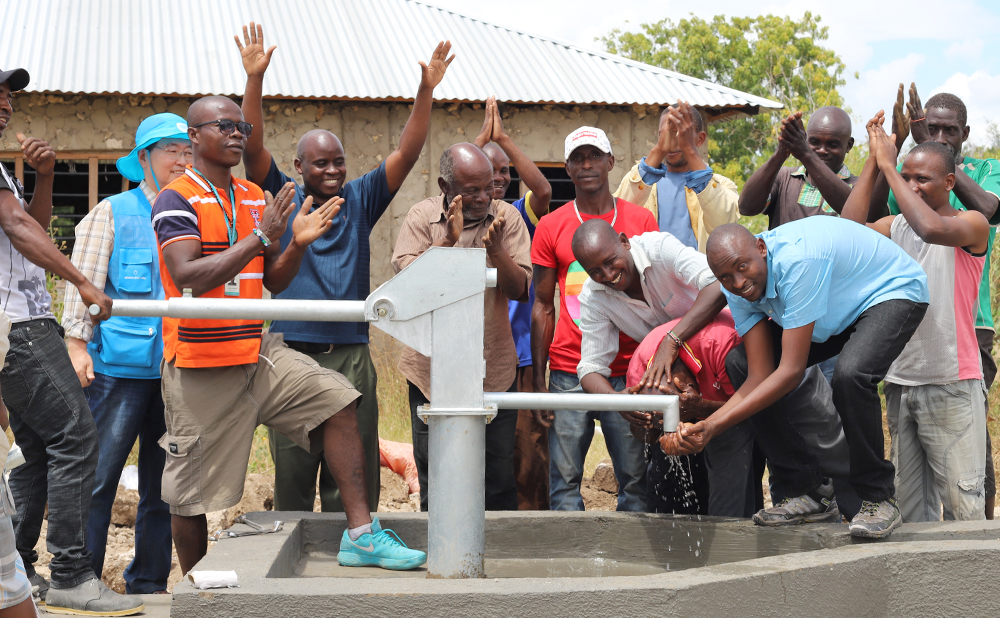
341,49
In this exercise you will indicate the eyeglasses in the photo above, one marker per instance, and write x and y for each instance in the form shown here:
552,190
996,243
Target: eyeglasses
177,153
226,127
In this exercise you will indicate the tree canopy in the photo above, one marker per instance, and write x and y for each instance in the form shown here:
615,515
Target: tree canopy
778,58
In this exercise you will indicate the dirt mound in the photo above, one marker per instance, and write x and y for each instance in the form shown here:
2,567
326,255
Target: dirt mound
395,495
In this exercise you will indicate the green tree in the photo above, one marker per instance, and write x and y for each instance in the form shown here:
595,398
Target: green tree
988,150
777,58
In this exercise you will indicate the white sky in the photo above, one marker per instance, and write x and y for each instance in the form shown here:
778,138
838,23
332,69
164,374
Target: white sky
886,43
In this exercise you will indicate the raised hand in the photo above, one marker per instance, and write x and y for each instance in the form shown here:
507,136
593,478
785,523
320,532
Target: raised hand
498,132
681,119
880,145
38,154
900,119
432,73
277,210
665,135
255,59
793,135
918,125
310,224
456,221
494,235
486,133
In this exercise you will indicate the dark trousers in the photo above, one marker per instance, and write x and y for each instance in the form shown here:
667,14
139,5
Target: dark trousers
126,409
501,489
867,348
295,468
985,337
677,485
53,426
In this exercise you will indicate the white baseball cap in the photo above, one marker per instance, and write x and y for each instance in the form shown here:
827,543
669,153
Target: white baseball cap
587,136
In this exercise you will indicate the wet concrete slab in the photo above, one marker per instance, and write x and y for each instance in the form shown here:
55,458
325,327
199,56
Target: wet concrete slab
608,563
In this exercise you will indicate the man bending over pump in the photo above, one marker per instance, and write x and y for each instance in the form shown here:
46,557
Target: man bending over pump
829,287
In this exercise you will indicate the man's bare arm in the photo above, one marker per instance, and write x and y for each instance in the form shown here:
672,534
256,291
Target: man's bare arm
543,328
765,384
256,158
541,190
831,186
33,242
399,163
753,198
42,158
709,302
973,196
189,269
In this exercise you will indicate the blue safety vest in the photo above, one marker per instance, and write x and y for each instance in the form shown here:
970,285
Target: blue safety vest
128,347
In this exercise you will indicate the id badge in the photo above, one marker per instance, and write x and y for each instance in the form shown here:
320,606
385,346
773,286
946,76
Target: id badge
233,287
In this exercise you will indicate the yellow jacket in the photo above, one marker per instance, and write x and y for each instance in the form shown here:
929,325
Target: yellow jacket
716,205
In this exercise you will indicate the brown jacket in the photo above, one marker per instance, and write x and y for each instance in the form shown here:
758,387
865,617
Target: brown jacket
426,223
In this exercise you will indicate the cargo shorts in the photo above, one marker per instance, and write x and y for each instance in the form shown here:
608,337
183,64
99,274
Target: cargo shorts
211,415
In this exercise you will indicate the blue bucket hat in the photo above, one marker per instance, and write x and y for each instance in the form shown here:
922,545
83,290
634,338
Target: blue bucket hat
150,131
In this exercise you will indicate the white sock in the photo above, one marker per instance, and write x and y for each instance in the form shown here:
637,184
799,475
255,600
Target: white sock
355,533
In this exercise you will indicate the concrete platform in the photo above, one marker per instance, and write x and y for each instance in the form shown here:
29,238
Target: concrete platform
725,568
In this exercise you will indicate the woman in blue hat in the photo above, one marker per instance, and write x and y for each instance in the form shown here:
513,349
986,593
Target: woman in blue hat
118,362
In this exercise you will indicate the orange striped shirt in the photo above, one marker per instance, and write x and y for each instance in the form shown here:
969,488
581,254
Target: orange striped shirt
186,209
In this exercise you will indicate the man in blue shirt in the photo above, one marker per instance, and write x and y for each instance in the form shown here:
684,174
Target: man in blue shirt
829,287
336,266
531,442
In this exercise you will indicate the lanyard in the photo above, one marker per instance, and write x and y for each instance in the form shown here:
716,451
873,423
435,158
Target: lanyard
230,225
577,210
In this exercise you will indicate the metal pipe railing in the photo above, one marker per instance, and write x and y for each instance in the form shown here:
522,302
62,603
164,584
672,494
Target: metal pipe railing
668,404
242,309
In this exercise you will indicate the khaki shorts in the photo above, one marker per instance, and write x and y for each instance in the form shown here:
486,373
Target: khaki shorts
211,415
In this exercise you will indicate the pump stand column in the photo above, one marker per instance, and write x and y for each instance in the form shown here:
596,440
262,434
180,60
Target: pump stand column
457,444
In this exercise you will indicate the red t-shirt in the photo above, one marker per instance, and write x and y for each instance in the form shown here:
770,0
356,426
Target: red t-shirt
552,248
704,354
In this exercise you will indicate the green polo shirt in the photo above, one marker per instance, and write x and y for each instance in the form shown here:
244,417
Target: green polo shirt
986,173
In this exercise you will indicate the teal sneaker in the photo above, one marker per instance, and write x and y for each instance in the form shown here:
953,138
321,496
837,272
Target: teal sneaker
381,548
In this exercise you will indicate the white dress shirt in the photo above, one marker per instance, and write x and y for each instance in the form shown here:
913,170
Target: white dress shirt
671,275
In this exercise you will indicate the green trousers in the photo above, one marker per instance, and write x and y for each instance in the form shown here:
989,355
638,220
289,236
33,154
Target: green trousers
295,469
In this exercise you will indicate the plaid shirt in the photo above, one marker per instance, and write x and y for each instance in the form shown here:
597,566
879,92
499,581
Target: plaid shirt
95,240
810,197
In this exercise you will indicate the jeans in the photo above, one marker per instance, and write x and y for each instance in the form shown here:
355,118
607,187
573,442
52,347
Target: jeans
569,440
501,489
53,426
295,468
938,449
867,348
126,409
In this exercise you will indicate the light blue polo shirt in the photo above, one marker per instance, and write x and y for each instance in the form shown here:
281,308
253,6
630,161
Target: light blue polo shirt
828,270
